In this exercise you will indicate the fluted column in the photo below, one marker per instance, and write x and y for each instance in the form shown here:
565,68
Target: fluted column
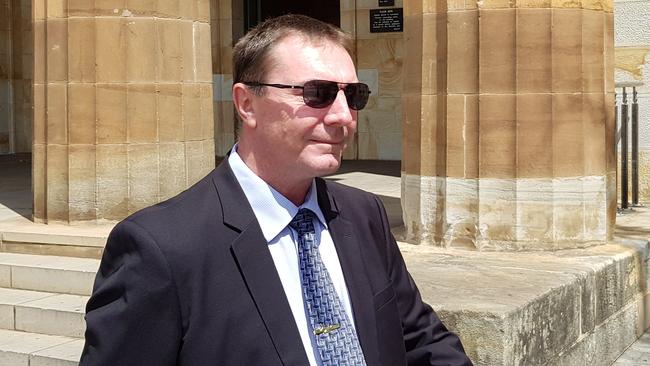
122,105
524,142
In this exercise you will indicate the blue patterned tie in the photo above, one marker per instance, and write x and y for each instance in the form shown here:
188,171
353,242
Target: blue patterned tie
335,337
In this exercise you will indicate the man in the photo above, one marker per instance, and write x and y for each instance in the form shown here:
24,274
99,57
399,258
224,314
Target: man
262,263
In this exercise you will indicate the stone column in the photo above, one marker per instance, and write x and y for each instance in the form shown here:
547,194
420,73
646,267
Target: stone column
122,105
518,140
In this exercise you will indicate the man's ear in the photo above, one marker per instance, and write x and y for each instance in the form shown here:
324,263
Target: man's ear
242,97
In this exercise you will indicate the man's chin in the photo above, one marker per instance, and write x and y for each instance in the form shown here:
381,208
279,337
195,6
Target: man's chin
327,166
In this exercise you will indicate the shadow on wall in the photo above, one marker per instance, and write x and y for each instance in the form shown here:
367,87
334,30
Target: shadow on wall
15,186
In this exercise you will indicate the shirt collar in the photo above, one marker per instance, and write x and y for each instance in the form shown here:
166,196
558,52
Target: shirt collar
272,210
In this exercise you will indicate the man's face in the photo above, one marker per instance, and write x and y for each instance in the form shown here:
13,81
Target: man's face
299,141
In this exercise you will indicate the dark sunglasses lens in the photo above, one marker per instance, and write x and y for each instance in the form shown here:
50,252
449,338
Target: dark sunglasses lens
319,93
357,95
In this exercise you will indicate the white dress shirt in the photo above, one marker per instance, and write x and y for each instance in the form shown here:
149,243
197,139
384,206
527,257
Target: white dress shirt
274,212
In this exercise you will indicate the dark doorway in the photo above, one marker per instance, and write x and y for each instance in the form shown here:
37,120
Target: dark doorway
259,10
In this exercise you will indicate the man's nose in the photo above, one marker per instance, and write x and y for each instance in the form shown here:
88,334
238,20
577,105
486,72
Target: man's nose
339,112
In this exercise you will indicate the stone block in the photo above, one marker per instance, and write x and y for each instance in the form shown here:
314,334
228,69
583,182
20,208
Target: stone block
617,283
381,115
111,113
170,123
57,183
168,49
534,308
81,49
172,163
9,299
82,113
141,113
57,114
534,204
568,145
5,276
533,50
497,131
143,8
594,134
143,163
60,280
67,354
17,346
112,182
534,132
83,182
593,48
189,11
461,212
141,60
110,47
385,56
566,50
168,8
40,116
497,51
80,8
455,135
55,315
434,48
497,215
203,52
191,111
207,113
57,49
463,50
188,51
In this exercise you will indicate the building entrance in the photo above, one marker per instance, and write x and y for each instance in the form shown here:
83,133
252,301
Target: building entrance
259,10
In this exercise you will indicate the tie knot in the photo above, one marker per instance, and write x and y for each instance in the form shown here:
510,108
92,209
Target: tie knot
303,222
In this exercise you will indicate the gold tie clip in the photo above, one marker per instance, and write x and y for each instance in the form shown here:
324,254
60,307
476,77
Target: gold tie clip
326,329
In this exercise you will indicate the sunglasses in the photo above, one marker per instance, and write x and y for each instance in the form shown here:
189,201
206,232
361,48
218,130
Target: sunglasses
322,93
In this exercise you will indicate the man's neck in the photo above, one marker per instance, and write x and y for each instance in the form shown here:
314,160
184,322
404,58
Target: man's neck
294,190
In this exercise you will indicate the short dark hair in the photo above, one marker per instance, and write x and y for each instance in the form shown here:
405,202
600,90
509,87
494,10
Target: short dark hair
251,53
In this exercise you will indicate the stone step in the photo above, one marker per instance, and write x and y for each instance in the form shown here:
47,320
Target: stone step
26,237
42,312
31,349
48,273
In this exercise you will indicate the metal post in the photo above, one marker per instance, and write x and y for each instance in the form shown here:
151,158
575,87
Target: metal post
624,182
616,135
635,148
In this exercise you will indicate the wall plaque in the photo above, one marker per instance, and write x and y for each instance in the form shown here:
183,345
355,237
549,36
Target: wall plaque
386,2
386,20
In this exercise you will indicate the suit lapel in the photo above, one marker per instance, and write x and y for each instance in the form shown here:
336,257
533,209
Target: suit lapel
255,263
348,249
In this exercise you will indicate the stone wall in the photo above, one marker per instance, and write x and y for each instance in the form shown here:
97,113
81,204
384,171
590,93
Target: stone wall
379,60
16,39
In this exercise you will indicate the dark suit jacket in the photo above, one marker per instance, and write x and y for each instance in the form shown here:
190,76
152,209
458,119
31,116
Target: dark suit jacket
191,281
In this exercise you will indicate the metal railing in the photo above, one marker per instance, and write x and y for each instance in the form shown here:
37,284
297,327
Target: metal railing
629,128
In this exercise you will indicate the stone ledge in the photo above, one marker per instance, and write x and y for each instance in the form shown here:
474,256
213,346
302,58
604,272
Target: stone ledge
570,307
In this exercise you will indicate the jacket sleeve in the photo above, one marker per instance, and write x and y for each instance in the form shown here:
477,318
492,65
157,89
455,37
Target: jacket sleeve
132,317
426,339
